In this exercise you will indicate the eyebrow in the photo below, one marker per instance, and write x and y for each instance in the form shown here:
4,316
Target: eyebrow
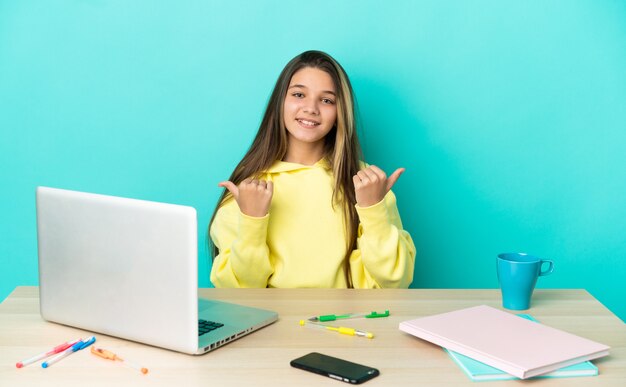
304,87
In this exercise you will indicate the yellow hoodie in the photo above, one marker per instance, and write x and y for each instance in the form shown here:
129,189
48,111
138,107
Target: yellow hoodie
301,242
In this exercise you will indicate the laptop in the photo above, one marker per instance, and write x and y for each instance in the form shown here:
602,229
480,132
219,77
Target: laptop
129,268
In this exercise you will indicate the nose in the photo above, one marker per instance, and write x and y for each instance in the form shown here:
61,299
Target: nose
310,107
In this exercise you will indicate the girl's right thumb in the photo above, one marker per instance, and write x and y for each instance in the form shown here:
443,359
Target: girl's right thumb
231,187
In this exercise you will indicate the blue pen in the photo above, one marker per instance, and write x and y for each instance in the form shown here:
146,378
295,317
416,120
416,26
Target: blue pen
76,347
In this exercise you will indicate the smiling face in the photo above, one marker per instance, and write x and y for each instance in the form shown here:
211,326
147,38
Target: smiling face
310,109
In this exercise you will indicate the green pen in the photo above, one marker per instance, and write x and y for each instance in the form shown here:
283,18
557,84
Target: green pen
333,317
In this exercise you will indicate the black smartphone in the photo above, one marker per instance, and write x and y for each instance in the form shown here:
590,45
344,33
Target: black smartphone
335,368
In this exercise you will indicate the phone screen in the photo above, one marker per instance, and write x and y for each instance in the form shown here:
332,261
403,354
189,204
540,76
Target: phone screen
335,368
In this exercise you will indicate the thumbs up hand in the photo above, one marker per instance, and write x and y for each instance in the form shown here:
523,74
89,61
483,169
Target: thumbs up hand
253,196
371,184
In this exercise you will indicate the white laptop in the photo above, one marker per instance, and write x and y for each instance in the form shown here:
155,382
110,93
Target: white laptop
129,268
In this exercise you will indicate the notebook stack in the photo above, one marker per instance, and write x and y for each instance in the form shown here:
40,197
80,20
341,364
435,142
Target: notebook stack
490,344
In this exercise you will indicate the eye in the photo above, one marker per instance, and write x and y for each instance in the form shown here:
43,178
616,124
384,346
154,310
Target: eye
297,94
328,101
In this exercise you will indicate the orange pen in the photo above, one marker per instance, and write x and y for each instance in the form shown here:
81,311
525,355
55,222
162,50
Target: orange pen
105,354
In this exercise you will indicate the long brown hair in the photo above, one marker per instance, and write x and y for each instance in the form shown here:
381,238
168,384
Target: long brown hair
341,147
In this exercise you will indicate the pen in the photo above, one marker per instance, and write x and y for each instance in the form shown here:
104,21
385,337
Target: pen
333,317
76,347
55,350
103,353
342,330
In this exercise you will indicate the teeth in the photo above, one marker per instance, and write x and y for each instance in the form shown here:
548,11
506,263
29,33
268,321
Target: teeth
309,123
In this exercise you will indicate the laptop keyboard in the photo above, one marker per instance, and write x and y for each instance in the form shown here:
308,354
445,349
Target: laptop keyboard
205,326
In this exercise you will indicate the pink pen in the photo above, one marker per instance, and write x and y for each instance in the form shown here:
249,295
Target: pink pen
55,350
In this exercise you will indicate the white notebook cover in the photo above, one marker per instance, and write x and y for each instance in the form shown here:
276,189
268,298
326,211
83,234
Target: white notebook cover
502,340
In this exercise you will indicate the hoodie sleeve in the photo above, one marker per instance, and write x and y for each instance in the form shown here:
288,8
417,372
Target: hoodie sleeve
385,254
243,259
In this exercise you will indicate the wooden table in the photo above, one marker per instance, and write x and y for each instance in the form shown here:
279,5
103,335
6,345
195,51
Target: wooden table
262,358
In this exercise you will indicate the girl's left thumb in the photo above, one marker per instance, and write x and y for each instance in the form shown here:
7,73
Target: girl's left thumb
391,180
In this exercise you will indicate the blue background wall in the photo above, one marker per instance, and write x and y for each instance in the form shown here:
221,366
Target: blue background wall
510,118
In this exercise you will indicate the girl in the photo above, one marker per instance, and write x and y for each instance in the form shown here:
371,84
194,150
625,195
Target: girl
300,209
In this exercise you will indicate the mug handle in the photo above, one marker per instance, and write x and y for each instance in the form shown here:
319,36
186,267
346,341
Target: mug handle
550,268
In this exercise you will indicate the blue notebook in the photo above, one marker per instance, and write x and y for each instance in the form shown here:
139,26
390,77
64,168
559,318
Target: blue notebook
478,371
